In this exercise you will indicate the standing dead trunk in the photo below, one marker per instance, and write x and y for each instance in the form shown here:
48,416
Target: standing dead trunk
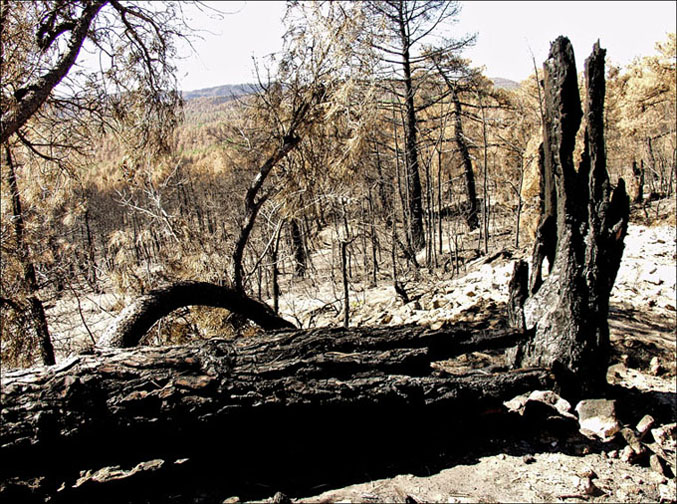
569,310
546,233
276,271
91,264
252,205
468,174
299,249
638,173
415,200
344,276
36,308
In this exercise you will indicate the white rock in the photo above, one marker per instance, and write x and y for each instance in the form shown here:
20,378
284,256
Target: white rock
597,418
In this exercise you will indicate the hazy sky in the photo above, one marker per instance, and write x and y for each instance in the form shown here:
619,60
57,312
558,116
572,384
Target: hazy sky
505,33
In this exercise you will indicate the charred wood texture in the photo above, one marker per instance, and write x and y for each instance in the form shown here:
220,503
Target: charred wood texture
569,309
134,321
217,412
472,207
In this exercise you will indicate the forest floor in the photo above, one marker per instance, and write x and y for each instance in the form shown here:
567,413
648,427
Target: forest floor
540,467
535,466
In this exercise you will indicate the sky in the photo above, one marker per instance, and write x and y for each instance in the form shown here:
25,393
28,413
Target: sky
507,35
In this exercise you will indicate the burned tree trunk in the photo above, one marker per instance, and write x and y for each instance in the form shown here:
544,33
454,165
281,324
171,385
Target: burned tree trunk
218,412
253,203
134,321
36,307
569,310
298,247
471,211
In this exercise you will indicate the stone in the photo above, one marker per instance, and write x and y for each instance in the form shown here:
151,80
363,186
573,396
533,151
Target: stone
666,436
436,324
633,441
644,425
281,498
597,418
231,500
656,464
655,366
518,404
628,455
587,487
668,492
529,459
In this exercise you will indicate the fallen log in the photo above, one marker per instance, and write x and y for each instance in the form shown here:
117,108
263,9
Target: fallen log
86,428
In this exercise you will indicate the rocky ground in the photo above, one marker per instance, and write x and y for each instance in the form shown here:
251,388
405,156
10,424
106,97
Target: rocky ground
634,463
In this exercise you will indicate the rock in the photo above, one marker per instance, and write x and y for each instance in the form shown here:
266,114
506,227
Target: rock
587,487
633,441
519,404
597,418
666,436
628,455
529,459
656,464
281,498
644,425
588,473
231,500
436,324
613,454
655,366
668,492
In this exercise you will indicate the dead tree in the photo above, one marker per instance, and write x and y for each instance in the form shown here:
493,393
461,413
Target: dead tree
581,233
253,203
214,413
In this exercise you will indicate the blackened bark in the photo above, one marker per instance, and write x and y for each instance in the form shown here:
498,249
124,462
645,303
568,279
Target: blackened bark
252,204
36,308
134,321
471,212
346,290
244,402
415,202
298,248
638,173
569,310
91,264
545,244
518,291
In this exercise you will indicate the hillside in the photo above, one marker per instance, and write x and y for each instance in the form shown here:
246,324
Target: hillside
226,92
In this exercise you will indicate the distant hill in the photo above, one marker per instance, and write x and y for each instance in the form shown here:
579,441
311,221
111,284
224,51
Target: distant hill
502,83
225,92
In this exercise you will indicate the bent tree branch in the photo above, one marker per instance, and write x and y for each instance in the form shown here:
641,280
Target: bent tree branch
134,321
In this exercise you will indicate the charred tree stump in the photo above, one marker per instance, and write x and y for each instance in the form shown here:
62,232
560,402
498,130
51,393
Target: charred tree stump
568,311
218,412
